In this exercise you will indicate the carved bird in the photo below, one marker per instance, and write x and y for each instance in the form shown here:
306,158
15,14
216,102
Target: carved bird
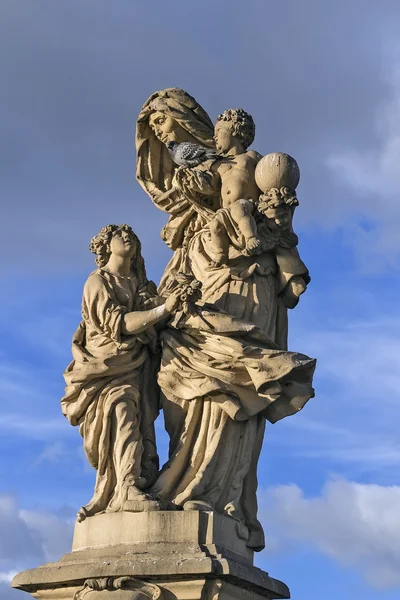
190,155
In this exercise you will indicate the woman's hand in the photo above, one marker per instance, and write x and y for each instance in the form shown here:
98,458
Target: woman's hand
172,302
195,181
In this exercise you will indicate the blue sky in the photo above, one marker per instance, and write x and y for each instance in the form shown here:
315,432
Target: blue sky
322,81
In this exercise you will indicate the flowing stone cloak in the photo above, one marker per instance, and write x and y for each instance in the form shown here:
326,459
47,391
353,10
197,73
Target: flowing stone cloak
247,287
111,391
155,169
221,377
224,372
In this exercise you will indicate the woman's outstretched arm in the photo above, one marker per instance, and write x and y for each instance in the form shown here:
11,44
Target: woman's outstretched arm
140,320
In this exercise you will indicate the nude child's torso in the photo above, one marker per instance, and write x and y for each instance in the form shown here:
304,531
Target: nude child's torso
237,178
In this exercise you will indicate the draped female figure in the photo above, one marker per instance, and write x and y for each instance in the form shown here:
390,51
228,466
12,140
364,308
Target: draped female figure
171,115
225,370
112,392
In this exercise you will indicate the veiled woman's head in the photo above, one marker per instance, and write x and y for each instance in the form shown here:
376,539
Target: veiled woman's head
170,115
167,129
120,240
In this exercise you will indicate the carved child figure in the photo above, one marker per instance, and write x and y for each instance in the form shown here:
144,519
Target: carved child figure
275,209
234,132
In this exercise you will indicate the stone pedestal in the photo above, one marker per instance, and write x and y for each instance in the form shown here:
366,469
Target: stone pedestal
145,556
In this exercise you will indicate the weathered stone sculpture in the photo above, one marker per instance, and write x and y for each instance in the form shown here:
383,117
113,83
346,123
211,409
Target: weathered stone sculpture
225,370
209,348
111,384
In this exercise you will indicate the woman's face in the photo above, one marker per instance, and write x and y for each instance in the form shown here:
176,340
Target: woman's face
122,244
166,128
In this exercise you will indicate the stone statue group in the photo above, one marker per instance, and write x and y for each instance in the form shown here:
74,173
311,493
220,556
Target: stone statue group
209,345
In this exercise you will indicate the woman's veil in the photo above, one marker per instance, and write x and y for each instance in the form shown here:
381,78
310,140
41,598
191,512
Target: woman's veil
154,167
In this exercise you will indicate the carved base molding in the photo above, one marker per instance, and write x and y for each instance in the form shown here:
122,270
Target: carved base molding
150,556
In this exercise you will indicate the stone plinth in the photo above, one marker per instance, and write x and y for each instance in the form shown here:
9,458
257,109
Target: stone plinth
169,555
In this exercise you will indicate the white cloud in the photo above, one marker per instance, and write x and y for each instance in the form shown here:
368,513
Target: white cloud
6,576
51,333
29,538
17,541
7,593
29,403
34,428
361,352
355,524
353,421
372,180
16,382
54,453
54,533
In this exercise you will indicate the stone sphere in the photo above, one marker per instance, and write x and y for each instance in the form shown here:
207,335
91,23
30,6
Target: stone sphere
277,170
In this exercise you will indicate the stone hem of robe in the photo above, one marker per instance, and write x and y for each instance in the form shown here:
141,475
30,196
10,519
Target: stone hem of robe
217,354
112,373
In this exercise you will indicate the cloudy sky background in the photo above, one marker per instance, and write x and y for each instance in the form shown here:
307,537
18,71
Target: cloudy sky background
322,80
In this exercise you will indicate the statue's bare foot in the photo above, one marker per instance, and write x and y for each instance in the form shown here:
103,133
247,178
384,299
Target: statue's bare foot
253,246
197,505
164,504
133,492
81,514
140,482
139,501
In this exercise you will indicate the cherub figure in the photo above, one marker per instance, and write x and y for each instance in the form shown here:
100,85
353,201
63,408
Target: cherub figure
234,133
278,205
275,212
232,170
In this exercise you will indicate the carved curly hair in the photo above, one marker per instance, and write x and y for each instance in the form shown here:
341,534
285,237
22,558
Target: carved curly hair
241,124
275,197
100,245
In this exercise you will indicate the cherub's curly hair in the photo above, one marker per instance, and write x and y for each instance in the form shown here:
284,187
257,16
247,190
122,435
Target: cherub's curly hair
241,124
100,245
275,197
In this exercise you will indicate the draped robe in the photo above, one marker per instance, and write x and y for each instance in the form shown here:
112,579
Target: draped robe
111,391
225,370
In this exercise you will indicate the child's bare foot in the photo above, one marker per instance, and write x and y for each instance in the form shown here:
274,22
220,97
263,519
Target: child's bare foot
253,246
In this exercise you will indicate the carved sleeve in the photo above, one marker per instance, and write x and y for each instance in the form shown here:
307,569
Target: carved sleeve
100,310
194,182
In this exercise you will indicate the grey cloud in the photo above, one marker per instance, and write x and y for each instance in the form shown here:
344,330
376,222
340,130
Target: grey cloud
18,542
28,538
76,74
354,524
352,425
6,593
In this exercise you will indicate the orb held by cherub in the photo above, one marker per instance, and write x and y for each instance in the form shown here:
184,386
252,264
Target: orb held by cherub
277,170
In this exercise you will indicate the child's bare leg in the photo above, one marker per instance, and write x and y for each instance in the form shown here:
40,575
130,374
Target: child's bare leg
242,213
219,247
